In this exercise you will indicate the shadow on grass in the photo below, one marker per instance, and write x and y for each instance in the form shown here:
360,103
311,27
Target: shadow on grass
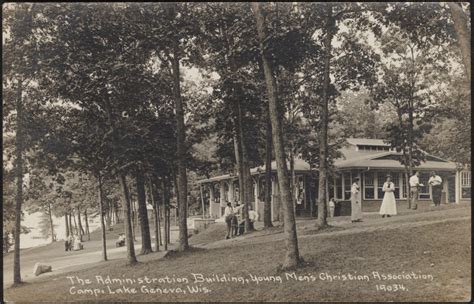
319,229
302,265
174,254
19,285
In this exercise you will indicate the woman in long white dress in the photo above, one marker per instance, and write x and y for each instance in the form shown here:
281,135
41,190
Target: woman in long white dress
389,205
356,202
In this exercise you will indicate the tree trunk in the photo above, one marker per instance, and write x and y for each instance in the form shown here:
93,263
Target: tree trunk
19,146
75,223
293,177
407,183
109,220
267,207
133,216
165,212
71,229
79,221
246,176
143,214
67,224
51,224
238,160
101,217
117,217
132,259
156,214
323,138
292,258
87,225
410,139
159,210
463,34
181,154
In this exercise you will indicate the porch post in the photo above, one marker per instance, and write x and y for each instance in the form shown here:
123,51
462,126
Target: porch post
202,202
231,191
211,201
273,199
335,186
222,197
255,193
445,189
457,186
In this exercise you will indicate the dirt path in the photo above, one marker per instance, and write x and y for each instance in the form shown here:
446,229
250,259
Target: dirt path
62,261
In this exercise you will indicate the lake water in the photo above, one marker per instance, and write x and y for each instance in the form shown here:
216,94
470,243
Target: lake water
34,238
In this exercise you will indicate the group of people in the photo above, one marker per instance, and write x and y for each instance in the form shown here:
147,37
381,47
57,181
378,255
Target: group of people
389,206
235,219
120,240
73,242
435,182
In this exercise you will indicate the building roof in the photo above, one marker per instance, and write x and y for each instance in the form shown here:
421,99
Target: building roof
353,159
367,142
388,160
300,165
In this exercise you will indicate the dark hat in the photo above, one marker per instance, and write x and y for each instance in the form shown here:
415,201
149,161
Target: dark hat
356,178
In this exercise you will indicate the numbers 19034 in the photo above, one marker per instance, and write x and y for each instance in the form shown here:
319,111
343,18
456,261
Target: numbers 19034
391,287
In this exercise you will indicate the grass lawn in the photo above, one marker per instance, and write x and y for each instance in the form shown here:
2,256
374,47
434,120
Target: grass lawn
440,251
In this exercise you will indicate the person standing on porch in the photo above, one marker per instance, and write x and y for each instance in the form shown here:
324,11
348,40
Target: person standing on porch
414,189
389,206
435,182
356,203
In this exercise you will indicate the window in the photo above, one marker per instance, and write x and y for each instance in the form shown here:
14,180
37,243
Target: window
466,184
381,176
396,181
261,189
425,189
338,187
347,185
404,186
217,193
369,190
373,148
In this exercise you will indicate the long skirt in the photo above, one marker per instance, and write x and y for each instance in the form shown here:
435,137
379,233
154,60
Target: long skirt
356,207
389,205
436,192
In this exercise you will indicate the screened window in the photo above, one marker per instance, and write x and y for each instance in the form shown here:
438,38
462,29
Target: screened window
369,189
404,186
339,187
425,189
217,193
466,184
347,185
396,181
381,176
261,189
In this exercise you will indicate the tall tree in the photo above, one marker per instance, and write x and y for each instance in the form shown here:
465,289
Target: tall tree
143,213
463,32
292,257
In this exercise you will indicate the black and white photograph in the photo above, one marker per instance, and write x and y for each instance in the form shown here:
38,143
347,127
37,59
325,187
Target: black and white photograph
236,152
